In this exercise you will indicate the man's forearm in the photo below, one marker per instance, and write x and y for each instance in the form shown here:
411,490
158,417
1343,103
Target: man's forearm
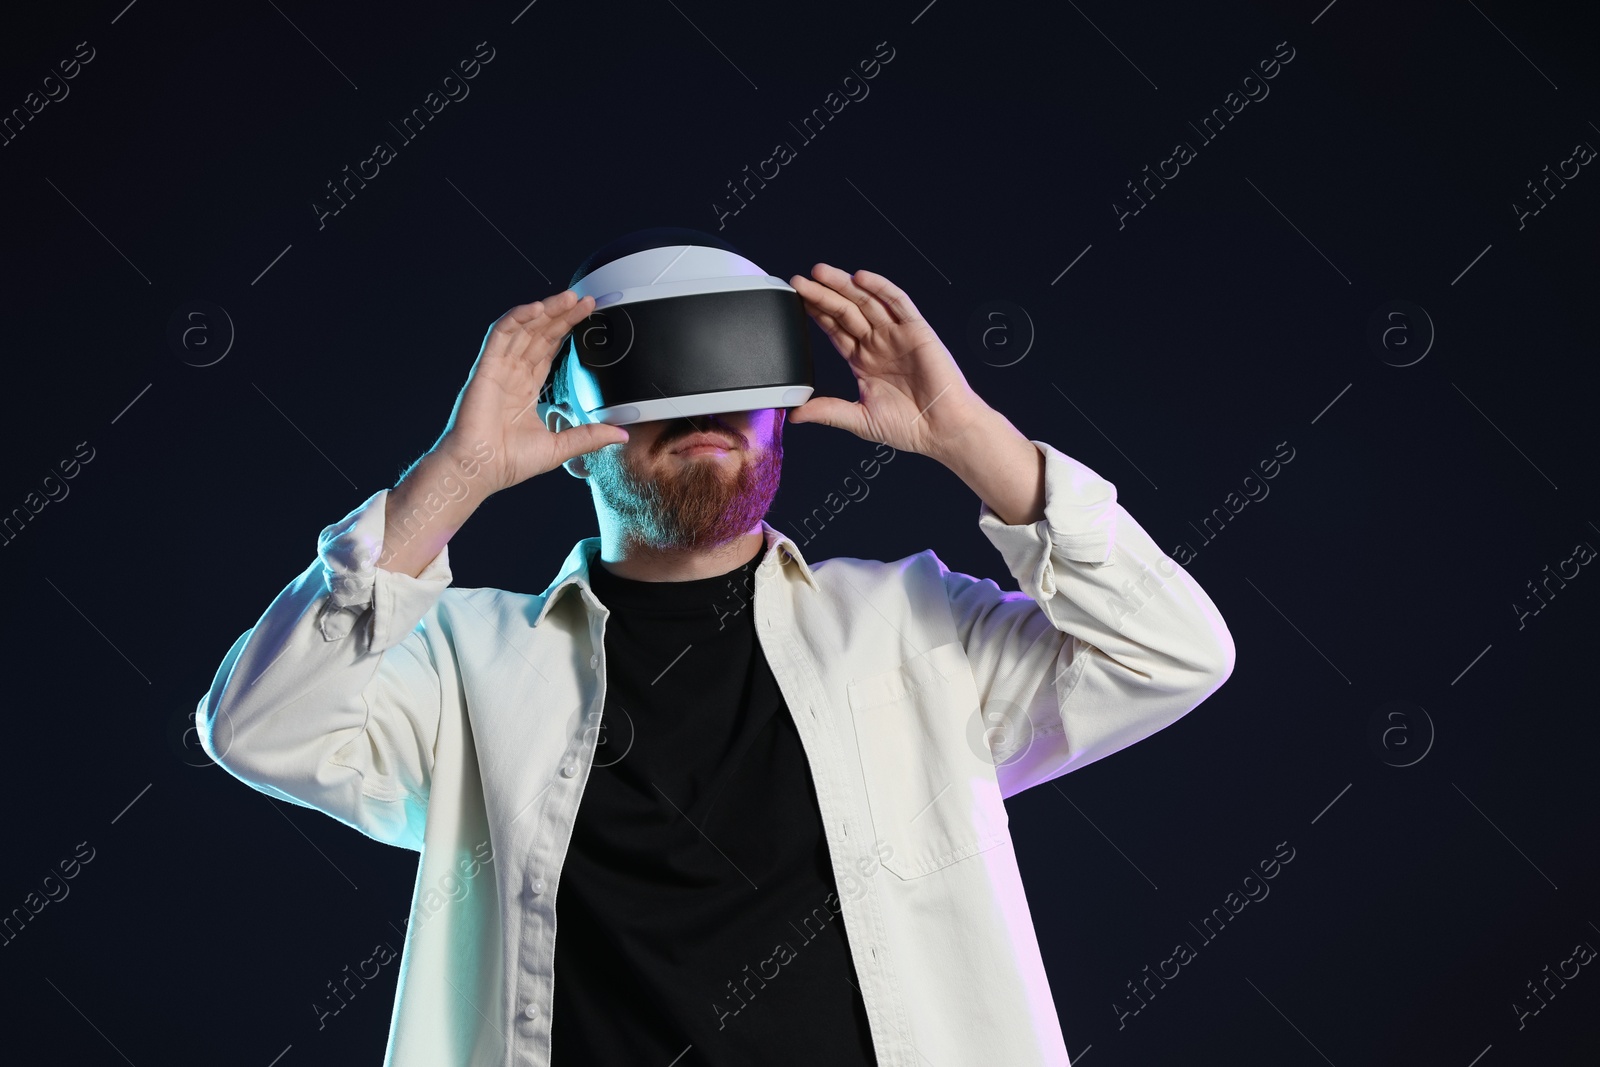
432,500
1000,464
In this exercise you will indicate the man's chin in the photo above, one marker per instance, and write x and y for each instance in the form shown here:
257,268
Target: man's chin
713,501
696,502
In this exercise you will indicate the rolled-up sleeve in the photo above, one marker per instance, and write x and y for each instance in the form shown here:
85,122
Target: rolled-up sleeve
1108,641
332,700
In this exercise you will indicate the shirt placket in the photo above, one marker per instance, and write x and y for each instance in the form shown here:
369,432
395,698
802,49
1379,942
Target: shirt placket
864,924
535,986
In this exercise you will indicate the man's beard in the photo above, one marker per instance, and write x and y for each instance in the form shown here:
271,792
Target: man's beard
695,506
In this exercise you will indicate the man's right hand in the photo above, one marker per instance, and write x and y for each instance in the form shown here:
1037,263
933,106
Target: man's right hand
498,405
495,438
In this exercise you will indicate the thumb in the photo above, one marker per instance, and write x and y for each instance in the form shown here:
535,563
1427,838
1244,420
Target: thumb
576,440
830,411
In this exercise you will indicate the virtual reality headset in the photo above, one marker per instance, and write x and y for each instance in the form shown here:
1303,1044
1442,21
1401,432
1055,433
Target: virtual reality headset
682,325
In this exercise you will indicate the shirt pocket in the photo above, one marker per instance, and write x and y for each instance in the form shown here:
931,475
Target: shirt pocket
930,778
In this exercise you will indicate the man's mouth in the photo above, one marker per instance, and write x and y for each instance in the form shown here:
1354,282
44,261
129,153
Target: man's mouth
703,443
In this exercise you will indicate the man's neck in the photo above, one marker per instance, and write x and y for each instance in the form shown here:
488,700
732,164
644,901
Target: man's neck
627,558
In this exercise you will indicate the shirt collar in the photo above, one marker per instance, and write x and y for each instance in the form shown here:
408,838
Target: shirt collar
780,549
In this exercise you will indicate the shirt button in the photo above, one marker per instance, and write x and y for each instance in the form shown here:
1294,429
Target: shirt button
531,1011
536,886
568,770
594,661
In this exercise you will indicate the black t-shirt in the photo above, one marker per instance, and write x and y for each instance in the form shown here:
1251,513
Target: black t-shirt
697,915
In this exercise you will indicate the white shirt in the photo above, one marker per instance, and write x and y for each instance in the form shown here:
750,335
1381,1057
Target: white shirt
462,722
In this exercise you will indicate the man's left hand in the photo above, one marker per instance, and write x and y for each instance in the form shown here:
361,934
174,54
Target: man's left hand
913,395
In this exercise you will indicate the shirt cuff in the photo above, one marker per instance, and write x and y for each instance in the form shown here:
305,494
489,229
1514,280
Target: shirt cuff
390,603
1079,524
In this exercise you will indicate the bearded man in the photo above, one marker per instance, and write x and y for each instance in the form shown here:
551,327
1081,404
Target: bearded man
760,798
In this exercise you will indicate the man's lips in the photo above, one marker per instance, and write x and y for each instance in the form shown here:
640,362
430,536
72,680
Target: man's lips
703,442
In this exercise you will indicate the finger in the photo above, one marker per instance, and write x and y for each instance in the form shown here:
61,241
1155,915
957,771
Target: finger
556,327
832,411
820,299
586,437
550,305
531,317
843,343
503,332
538,336
890,295
508,325
871,308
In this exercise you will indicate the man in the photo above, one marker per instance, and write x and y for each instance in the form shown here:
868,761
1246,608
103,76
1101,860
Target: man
791,845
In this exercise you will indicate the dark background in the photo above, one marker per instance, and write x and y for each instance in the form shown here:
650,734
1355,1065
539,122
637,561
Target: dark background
1232,314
